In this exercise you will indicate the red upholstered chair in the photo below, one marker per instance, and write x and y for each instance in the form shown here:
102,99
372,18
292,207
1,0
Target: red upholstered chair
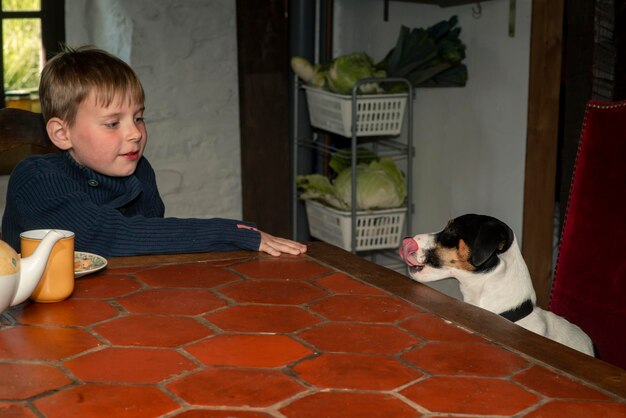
590,278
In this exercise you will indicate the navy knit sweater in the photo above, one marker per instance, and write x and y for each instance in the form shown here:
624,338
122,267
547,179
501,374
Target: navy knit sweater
111,216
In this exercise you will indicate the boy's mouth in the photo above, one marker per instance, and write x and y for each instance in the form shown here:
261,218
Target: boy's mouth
134,155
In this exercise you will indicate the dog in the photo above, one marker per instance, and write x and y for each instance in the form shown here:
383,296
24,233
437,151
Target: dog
482,253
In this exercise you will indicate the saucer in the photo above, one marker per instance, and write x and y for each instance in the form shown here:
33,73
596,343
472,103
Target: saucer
87,263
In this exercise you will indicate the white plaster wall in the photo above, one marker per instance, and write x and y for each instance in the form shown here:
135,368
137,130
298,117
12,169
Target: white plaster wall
185,53
470,142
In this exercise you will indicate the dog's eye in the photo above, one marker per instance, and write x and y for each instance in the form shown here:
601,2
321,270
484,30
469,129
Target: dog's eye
449,241
448,237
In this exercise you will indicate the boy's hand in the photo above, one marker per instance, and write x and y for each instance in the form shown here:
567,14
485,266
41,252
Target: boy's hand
276,246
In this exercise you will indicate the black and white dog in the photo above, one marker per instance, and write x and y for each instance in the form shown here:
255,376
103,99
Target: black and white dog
481,252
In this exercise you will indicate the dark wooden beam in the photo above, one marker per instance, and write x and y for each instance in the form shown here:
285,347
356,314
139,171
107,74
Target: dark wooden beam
541,142
262,38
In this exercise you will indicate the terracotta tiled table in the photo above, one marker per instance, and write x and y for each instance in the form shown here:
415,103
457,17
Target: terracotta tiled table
246,335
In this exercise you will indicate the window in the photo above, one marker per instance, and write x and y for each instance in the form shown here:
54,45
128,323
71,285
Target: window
32,31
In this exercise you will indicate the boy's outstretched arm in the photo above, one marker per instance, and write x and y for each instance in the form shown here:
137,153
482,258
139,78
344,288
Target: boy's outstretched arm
276,246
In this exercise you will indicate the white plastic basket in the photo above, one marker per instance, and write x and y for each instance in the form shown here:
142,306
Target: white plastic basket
375,230
377,114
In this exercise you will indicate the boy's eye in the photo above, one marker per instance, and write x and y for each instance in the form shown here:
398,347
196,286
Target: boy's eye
112,124
139,119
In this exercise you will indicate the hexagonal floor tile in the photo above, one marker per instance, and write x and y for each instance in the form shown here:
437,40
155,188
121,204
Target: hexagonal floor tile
560,409
70,312
39,343
343,284
554,385
355,371
42,378
363,308
260,318
273,292
470,395
349,405
248,350
358,338
104,287
191,276
436,329
152,331
475,359
279,269
121,401
129,365
172,301
236,387
14,410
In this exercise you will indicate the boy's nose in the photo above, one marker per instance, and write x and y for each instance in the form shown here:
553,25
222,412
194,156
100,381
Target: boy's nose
134,133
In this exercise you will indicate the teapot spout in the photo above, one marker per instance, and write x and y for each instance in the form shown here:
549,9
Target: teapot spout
33,266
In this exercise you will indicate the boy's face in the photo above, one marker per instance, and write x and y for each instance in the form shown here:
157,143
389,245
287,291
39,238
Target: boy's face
109,140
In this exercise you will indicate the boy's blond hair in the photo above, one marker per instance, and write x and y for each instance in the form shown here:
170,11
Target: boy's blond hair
69,78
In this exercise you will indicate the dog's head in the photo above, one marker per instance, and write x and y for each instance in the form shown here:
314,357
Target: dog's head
469,244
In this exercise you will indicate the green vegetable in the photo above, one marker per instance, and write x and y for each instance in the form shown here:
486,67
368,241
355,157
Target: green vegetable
318,187
303,68
346,70
447,78
309,73
321,72
339,75
380,185
342,158
427,57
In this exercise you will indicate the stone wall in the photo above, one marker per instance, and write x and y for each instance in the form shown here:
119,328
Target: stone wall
185,53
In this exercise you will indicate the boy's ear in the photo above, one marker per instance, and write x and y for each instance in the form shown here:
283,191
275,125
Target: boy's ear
58,133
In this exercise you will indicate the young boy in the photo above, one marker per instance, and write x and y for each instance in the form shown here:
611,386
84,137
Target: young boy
101,187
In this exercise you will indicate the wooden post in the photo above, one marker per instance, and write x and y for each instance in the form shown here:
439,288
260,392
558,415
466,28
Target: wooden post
541,142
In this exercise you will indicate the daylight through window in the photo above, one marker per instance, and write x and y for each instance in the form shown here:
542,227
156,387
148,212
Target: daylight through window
31,30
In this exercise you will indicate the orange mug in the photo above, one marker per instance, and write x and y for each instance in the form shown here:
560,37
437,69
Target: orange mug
57,281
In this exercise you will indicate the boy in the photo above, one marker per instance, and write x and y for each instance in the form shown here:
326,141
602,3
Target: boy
101,187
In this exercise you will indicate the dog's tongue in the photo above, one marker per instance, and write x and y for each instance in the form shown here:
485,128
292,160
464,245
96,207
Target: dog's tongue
408,248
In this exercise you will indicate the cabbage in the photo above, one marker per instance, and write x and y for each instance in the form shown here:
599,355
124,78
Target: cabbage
318,187
340,75
342,158
346,70
380,185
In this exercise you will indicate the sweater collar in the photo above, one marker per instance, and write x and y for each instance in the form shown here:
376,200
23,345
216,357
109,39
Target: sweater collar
107,190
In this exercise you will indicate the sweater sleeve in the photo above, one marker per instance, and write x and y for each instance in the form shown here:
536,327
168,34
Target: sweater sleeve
49,200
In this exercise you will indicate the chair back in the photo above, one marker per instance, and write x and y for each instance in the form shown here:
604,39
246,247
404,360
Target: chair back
589,286
22,133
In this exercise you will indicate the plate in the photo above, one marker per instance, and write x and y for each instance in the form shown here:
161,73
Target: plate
87,263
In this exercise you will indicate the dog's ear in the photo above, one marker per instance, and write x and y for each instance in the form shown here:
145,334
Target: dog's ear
493,237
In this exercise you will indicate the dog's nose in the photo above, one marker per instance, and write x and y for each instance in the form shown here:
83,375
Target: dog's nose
407,251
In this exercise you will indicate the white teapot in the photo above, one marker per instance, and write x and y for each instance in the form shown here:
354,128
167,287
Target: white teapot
19,277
